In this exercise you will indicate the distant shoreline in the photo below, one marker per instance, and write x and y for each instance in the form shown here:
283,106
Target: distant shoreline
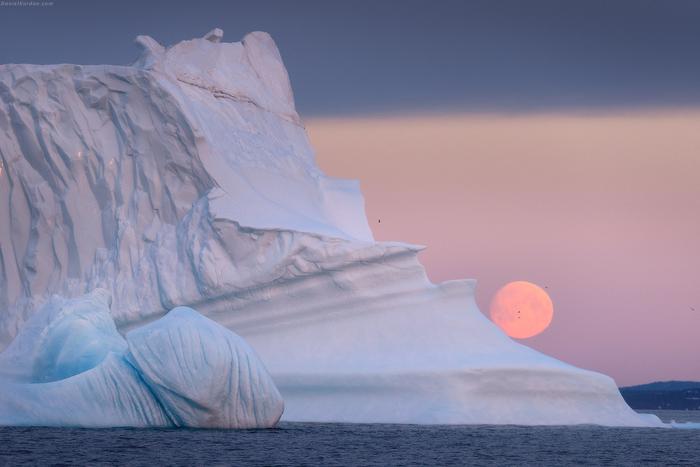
663,395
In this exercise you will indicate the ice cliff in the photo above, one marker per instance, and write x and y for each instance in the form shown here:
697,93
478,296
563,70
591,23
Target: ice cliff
188,179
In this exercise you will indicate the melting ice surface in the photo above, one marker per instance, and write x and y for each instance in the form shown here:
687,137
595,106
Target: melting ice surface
70,367
187,179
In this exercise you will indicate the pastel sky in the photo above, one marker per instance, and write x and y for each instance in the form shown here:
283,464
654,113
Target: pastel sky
604,210
550,141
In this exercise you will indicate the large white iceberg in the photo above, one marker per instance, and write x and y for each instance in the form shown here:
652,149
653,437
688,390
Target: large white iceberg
70,367
188,179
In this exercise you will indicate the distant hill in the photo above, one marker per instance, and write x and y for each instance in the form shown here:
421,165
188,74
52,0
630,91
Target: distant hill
669,395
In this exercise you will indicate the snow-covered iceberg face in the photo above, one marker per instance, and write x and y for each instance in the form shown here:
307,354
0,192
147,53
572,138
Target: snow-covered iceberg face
174,181
181,370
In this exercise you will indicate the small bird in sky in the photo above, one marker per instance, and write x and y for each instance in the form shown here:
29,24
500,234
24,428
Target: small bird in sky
379,221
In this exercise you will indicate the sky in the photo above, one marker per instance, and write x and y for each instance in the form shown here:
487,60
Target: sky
389,56
549,141
602,210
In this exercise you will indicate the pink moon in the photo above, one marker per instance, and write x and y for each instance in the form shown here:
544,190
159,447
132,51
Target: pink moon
521,309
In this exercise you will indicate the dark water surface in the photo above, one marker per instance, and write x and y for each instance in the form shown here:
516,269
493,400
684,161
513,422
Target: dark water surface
346,444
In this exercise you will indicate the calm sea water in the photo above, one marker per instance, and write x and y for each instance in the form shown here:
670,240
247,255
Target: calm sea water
345,444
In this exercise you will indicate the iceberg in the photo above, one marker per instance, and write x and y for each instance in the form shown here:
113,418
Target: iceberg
202,374
70,367
187,179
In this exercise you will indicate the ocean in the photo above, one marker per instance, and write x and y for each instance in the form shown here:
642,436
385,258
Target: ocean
329,444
